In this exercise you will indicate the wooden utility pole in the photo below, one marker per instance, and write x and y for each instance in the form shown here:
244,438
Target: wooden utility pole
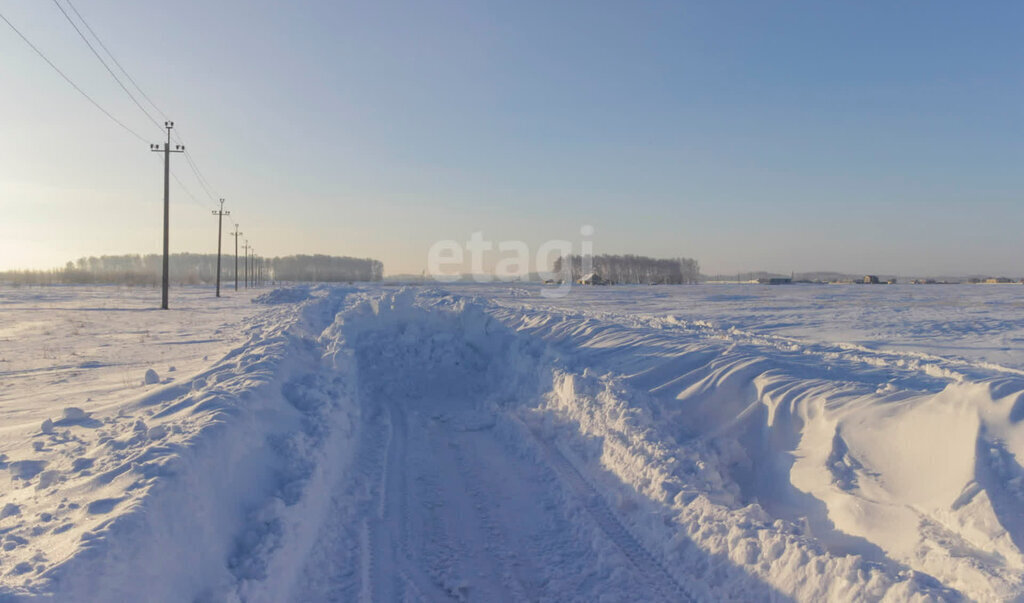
220,223
167,150
245,248
236,234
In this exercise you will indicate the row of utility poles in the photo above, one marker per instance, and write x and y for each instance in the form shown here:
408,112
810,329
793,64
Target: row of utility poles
255,266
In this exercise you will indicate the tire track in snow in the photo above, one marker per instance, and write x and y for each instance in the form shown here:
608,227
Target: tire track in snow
592,501
518,587
392,570
386,536
365,563
493,543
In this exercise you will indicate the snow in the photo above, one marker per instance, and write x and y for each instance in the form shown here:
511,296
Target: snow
151,377
485,442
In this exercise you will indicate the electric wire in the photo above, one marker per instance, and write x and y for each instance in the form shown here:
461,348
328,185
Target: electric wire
199,175
203,182
191,162
116,62
210,192
187,191
105,66
69,80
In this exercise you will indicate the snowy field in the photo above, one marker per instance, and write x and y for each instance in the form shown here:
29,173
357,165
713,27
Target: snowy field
484,443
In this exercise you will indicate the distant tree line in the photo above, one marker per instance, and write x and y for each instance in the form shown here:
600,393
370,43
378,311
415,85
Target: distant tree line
632,269
325,268
196,268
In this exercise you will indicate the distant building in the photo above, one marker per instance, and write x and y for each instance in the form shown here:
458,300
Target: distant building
891,281
777,280
1000,280
592,279
871,279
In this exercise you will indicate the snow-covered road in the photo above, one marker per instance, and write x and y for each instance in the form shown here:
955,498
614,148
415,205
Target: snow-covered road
440,505
483,443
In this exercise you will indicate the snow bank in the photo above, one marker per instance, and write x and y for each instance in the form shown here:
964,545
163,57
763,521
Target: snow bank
680,458
185,488
820,481
285,295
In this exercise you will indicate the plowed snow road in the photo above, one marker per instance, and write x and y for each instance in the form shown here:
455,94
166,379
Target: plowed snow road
440,507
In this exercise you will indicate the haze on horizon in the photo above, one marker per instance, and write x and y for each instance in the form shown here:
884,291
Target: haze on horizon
856,137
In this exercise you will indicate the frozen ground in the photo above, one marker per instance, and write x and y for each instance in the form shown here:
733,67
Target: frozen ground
484,443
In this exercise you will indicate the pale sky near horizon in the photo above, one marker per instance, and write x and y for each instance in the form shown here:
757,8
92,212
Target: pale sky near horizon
784,136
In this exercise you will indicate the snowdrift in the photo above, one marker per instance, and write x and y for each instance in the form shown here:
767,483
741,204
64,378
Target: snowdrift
374,443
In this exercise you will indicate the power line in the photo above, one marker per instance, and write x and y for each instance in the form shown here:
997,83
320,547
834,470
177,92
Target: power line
195,199
203,182
116,62
73,84
187,191
199,176
104,63
192,165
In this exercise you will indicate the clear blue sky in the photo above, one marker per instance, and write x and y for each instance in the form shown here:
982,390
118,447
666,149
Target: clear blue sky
854,136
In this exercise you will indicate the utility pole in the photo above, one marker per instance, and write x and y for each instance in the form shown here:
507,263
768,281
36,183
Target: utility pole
245,248
167,150
236,234
220,223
